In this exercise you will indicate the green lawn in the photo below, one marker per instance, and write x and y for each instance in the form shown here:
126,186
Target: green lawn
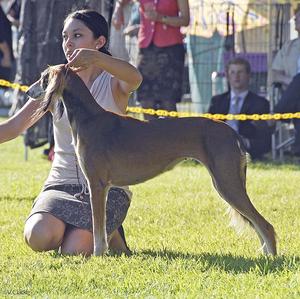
178,231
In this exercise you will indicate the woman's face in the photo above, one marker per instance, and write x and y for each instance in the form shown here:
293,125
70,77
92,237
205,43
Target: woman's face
77,35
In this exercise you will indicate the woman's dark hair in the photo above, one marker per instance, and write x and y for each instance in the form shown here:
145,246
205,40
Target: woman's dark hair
95,22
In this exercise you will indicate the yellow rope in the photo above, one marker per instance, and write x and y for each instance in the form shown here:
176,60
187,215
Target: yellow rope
242,117
13,85
139,110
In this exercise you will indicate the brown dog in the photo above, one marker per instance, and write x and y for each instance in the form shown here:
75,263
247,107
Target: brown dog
129,151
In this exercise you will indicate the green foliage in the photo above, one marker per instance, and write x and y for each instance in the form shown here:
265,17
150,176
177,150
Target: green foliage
178,231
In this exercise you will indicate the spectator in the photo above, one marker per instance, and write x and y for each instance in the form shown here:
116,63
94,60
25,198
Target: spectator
286,63
290,102
131,33
285,67
161,54
117,45
239,100
6,47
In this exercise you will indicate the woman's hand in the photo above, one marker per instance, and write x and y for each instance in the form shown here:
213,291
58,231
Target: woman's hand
117,19
82,58
151,14
132,30
6,60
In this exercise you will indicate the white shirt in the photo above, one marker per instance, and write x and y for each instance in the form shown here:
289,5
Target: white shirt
64,168
286,59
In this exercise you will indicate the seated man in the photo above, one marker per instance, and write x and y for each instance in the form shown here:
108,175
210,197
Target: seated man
239,100
290,102
286,63
285,70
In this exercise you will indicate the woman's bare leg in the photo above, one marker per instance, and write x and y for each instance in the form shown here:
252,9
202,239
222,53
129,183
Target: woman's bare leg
117,244
43,232
80,241
77,241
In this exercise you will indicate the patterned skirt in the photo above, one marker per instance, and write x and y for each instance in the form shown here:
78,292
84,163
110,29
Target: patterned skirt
59,200
162,70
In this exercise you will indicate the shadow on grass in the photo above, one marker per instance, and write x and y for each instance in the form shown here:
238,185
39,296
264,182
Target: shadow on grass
263,265
18,199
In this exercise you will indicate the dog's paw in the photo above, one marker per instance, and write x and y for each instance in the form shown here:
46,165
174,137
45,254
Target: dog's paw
101,249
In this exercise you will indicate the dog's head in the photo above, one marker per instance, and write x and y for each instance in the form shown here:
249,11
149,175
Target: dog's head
49,87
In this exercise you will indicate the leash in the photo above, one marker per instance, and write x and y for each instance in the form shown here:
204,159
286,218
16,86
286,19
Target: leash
81,182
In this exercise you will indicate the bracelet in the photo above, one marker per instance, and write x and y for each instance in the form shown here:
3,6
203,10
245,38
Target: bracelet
164,19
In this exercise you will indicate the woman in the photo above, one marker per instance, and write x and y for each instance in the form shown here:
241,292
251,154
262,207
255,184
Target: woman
161,55
59,218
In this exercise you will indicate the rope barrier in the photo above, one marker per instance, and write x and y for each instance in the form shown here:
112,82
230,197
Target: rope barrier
242,117
13,85
139,110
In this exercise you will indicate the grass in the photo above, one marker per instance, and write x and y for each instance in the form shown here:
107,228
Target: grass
176,227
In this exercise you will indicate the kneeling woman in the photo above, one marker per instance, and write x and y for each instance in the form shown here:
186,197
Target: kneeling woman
59,218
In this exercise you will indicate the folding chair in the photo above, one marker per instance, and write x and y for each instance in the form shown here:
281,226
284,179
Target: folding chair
283,136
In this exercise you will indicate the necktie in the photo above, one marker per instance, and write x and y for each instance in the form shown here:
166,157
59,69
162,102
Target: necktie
234,109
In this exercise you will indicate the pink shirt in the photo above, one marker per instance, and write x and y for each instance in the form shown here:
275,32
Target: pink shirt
160,34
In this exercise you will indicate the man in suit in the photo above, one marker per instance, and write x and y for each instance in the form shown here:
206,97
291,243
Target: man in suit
240,100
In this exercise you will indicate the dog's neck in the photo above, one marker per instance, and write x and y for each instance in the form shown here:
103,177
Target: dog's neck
80,105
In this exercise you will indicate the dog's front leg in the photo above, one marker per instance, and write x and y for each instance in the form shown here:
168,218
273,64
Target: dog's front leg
98,195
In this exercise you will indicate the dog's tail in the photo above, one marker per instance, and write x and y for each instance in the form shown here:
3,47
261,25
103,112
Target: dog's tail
242,147
238,221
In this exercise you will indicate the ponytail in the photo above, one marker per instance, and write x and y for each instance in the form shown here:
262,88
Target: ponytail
104,50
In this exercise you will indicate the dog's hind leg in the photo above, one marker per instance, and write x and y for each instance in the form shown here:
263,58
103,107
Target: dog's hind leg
229,178
98,194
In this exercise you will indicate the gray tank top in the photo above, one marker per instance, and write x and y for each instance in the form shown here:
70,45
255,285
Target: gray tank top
64,170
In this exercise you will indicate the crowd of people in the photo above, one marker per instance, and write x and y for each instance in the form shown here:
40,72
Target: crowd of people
59,218
159,39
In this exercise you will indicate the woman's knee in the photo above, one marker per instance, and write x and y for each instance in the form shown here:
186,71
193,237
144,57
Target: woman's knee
43,232
77,241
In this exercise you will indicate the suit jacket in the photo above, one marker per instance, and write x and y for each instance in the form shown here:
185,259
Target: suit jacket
257,132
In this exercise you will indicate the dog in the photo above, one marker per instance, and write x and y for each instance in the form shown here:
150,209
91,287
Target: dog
120,150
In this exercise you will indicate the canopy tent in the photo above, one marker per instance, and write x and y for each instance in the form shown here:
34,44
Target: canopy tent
225,17
220,29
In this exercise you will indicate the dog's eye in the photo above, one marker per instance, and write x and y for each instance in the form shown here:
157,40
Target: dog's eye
45,82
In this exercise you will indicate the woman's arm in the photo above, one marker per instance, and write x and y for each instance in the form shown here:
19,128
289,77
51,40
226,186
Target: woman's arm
6,60
117,19
21,121
281,77
126,77
183,18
